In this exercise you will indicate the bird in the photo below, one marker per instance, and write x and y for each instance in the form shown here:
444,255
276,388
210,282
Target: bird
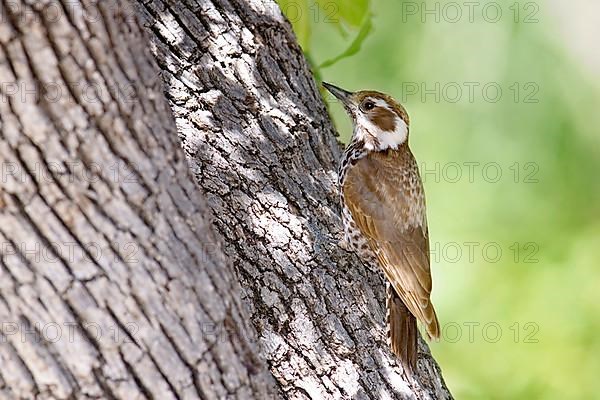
384,216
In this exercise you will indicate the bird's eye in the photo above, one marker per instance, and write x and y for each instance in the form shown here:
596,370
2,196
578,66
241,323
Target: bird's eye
368,105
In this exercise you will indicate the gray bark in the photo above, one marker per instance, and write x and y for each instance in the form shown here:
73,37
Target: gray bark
107,242
112,282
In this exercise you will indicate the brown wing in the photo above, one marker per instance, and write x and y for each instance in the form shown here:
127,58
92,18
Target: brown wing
385,197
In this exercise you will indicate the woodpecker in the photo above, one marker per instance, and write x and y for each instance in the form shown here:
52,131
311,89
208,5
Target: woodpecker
383,213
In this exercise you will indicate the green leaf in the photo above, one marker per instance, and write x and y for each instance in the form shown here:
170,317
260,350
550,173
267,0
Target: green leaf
355,46
353,12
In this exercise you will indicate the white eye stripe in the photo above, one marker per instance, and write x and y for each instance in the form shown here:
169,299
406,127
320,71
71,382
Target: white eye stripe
382,103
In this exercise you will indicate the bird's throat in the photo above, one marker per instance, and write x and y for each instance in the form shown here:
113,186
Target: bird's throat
377,139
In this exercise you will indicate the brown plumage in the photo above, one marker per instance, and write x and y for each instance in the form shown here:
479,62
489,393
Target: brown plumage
383,205
385,197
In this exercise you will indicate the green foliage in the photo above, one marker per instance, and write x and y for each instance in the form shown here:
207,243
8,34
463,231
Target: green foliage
354,47
353,12
343,16
543,132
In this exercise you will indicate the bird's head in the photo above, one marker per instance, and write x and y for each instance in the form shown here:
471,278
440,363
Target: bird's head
378,119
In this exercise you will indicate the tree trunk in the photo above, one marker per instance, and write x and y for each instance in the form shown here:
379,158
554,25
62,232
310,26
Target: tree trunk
112,282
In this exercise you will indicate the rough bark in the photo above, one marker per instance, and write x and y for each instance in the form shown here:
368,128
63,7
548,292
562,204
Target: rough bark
112,282
262,148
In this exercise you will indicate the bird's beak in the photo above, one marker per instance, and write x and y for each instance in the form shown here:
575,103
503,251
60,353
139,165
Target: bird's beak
343,95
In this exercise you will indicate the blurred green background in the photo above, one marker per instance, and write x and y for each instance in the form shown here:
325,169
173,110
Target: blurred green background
504,100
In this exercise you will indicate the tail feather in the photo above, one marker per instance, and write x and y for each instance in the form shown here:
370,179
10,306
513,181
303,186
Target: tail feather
401,329
433,327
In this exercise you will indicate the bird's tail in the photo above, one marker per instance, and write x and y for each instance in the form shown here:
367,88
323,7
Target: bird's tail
401,329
